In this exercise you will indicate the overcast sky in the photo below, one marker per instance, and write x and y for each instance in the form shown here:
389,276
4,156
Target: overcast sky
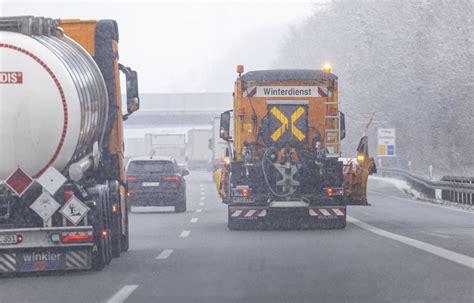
190,46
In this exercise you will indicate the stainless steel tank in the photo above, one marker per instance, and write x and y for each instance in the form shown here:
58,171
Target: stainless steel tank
53,102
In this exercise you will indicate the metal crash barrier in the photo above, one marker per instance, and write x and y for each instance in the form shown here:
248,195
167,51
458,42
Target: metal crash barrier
450,188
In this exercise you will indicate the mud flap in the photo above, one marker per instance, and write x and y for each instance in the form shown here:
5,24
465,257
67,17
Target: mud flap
45,260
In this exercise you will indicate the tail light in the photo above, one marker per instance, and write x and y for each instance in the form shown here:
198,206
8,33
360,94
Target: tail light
172,178
241,191
104,233
77,237
331,191
19,239
132,178
114,208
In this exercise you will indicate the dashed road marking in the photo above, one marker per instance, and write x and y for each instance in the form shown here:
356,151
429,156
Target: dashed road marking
435,250
202,198
199,210
123,294
194,220
185,234
201,204
165,254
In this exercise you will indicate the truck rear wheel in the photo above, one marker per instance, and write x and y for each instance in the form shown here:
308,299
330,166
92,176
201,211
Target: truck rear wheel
108,224
116,228
126,237
99,222
180,207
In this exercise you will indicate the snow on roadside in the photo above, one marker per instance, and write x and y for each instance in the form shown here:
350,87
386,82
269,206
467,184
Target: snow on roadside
404,187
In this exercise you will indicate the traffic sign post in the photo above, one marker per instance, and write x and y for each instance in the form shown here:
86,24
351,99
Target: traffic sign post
386,142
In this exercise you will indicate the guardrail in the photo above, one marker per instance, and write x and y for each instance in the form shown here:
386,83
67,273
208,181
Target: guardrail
449,188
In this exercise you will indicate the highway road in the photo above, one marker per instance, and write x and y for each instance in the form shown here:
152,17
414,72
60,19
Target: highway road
397,250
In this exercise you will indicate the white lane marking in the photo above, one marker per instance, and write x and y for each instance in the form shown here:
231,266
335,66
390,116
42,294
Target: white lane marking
435,250
426,203
123,294
199,210
165,254
185,234
263,213
201,203
202,198
194,220
338,212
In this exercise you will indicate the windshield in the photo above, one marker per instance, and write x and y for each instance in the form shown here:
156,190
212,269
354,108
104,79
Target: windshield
143,167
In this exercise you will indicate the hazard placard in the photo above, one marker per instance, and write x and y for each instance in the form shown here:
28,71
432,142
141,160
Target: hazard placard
19,181
51,180
74,210
45,206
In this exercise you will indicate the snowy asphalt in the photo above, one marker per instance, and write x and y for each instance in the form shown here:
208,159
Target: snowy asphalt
397,250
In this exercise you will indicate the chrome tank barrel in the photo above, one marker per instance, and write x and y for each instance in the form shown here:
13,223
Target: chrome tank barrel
53,103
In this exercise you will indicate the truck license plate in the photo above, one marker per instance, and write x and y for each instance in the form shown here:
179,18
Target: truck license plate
8,239
149,184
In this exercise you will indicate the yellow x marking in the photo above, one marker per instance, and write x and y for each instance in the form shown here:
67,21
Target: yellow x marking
284,123
294,117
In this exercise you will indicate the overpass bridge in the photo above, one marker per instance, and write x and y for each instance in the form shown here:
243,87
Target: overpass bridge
186,110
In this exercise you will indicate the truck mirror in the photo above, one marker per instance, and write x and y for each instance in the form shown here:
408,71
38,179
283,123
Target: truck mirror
225,126
133,98
342,119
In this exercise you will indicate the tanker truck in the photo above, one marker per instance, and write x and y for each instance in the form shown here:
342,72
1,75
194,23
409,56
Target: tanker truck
63,191
284,148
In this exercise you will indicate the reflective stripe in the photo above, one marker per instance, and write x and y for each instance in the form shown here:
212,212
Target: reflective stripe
236,213
250,213
325,212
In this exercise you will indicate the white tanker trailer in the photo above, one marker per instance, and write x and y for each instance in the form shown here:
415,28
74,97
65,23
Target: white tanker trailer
62,181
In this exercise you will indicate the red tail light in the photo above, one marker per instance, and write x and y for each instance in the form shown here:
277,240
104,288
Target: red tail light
245,192
132,178
77,237
172,178
104,233
115,208
329,191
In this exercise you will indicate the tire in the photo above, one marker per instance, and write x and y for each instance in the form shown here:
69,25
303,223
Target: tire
116,222
107,209
126,237
180,207
97,217
233,224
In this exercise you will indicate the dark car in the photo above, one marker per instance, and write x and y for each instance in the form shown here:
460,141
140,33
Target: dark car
156,181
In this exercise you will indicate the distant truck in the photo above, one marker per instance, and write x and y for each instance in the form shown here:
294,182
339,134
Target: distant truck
63,190
197,148
134,147
167,145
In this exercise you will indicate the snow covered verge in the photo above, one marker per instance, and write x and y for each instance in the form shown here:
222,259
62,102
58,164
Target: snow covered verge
404,187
